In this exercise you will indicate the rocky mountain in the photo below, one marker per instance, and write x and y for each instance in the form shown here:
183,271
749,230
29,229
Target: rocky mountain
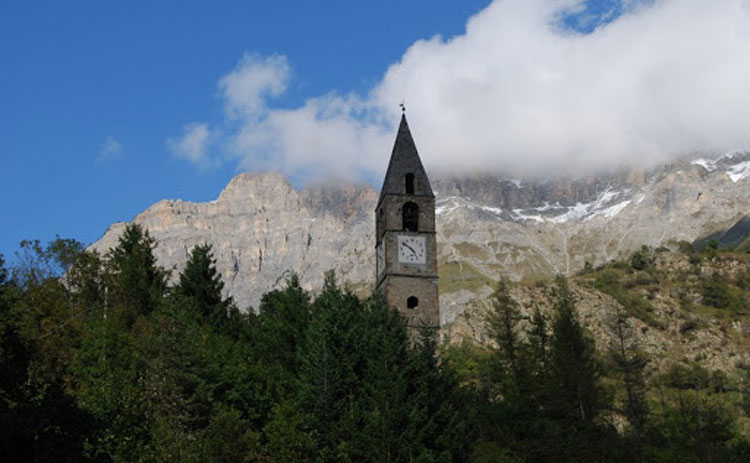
664,305
262,228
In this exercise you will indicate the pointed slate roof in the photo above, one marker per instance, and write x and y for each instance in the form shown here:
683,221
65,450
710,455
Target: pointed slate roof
404,160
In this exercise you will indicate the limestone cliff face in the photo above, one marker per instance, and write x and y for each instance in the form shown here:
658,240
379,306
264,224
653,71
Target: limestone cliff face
262,228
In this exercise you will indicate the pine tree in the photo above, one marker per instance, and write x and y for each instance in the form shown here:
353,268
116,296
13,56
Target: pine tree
203,284
521,388
539,346
629,363
437,428
502,328
110,366
136,283
577,398
574,364
383,386
176,379
329,369
283,322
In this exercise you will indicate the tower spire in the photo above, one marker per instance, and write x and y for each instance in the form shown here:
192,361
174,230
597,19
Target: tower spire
405,160
405,236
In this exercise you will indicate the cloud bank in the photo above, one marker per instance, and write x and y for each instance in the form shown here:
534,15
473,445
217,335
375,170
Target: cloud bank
522,92
193,145
110,149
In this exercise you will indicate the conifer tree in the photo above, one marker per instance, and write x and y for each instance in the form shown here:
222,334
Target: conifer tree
539,345
502,328
176,379
576,399
328,371
383,388
521,389
136,283
113,358
202,283
438,427
501,322
629,363
283,321
574,364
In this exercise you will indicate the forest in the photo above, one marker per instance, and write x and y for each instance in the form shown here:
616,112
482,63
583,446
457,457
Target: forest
105,360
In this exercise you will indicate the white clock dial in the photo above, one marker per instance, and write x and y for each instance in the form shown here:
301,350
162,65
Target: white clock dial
412,249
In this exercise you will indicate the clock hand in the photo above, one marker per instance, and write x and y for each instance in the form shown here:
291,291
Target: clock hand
411,249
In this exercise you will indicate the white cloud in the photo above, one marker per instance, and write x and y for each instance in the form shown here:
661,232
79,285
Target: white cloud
110,149
193,144
519,93
255,79
328,136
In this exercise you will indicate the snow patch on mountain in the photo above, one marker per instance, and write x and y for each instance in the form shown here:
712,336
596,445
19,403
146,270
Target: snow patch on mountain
444,206
735,164
521,216
607,203
493,210
708,164
614,210
739,171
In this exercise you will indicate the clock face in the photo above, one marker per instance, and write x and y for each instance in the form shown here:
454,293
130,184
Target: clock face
380,252
412,249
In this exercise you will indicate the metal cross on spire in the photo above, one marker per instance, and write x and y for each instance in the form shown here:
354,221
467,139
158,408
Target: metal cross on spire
402,105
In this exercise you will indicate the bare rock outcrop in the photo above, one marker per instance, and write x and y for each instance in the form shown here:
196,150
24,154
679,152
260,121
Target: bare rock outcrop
262,228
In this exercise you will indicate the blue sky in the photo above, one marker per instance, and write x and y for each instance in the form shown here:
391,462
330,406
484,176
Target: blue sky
108,107
76,74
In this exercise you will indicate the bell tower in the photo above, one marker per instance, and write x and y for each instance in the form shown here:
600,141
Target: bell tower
405,238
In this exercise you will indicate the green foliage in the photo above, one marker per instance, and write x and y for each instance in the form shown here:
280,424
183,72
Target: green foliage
640,259
536,394
37,263
694,427
614,283
470,363
201,282
502,328
575,368
135,282
628,362
686,247
715,293
103,362
693,377
366,395
39,420
283,321
456,275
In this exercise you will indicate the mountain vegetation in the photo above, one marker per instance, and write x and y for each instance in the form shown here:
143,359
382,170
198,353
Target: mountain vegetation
104,360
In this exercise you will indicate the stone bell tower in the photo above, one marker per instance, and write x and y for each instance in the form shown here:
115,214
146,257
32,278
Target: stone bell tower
405,238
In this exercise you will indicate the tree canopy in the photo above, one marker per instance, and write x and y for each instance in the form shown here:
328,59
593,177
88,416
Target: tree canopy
104,361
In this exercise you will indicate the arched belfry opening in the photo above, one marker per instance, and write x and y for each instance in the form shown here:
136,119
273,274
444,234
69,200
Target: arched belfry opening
412,302
409,179
410,217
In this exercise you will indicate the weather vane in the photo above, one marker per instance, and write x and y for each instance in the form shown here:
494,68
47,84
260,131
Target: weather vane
402,105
